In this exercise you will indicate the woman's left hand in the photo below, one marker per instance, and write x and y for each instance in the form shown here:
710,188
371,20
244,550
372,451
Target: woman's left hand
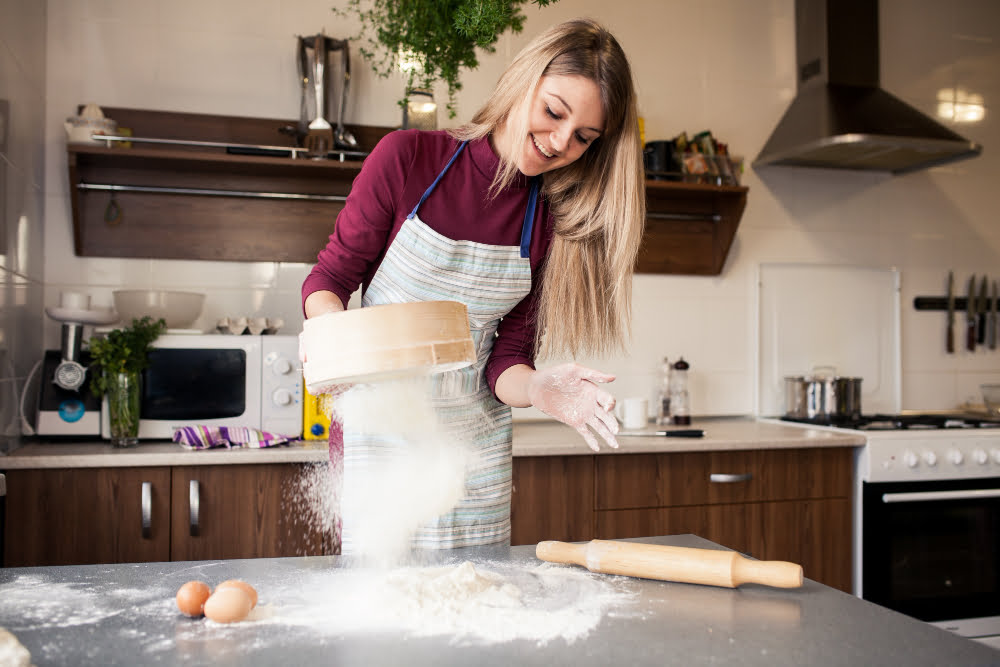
570,393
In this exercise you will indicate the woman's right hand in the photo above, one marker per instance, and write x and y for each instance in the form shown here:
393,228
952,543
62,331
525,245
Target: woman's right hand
570,393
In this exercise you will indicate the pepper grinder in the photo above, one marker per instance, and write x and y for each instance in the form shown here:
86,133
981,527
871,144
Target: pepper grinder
680,408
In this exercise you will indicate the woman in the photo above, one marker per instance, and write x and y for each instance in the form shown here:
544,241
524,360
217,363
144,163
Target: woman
531,214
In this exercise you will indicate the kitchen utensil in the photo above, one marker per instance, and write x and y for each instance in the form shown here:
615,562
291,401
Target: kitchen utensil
982,307
993,317
950,344
342,138
676,433
385,342
991,398
970,316
178,309
319,140
681,564
822,395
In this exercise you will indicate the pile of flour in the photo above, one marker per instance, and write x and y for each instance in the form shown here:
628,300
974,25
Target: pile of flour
470,604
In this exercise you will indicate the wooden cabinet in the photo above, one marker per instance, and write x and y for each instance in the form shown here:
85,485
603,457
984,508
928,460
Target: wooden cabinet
86,515
121,515
790,504
188,187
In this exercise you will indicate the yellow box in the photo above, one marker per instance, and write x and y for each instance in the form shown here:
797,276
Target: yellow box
315,416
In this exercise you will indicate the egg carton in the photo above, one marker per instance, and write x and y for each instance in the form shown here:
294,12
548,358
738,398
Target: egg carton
250,326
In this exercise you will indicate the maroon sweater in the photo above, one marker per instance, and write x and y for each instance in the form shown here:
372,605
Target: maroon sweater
391,182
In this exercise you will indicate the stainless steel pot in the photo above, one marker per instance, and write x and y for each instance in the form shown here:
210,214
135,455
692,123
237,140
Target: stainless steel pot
822,395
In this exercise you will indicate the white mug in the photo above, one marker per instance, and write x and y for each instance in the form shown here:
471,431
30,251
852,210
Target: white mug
633,413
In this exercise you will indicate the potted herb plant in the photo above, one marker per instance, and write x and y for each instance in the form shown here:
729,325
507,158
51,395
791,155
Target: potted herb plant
117,362
432,40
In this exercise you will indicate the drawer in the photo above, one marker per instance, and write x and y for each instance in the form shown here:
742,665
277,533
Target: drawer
632,481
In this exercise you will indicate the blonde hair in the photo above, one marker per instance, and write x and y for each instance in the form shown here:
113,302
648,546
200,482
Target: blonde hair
598,202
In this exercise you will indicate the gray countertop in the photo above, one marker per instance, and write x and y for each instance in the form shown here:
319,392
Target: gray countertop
531,438
310,612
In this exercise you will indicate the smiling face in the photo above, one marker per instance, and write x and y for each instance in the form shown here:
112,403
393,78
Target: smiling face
564,117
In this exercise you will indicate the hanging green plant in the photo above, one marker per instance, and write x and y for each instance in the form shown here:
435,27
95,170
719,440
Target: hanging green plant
431,40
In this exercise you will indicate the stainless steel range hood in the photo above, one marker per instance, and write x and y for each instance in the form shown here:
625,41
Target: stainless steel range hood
840,117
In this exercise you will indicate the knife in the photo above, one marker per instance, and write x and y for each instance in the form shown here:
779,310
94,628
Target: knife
970,316
993,318
679,433
983,304
950,344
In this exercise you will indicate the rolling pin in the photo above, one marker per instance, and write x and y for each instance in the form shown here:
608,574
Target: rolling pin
683,564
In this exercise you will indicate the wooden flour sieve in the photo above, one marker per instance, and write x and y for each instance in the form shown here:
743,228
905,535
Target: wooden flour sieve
385,342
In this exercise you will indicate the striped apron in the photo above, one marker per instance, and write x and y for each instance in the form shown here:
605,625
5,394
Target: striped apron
423,265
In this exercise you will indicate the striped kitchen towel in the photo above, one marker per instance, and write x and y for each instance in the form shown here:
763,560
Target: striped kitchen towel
208,437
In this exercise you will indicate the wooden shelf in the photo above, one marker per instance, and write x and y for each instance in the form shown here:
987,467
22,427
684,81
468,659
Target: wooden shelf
689,227
193,202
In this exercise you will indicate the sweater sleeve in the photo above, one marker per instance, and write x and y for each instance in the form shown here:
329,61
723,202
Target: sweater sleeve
363,227
515,343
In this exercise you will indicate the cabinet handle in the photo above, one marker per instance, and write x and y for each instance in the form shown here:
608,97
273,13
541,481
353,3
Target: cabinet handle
194,506
726,478
147,510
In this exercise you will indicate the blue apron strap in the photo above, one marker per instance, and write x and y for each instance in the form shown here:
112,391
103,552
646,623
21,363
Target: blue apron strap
529,218
437,180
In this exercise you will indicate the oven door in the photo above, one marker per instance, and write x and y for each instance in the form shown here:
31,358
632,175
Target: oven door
931,550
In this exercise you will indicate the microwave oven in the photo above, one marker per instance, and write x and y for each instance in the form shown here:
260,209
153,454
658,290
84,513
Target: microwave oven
219,380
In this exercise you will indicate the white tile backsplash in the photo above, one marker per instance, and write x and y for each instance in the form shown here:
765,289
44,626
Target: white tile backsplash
238,59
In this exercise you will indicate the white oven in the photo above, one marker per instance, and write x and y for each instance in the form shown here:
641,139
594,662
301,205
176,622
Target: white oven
927,526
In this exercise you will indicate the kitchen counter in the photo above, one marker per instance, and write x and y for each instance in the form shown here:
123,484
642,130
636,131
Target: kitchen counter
531,438
125,614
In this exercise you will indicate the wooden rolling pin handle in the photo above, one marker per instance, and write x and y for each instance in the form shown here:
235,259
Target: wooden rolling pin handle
777,573
562,552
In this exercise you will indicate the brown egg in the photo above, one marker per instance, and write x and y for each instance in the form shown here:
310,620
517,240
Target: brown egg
241,585
228,605
191,598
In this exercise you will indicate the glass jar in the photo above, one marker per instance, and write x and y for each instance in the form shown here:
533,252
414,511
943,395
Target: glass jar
123,408
663,373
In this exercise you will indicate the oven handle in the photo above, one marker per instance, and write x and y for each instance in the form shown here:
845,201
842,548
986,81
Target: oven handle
919,496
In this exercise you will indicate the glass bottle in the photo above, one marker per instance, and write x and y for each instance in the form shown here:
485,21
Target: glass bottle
663,373
680,408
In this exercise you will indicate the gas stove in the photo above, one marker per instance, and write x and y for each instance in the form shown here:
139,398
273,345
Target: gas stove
922,446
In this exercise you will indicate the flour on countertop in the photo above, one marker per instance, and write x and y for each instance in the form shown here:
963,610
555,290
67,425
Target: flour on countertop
468,603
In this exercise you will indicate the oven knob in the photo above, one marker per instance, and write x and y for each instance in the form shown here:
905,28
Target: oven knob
282,397
282,366
930,458
980,456
995,453
955,457
910,459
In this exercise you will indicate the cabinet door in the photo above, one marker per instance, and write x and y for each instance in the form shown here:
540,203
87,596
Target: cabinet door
813,533
87,515
553,499
243,511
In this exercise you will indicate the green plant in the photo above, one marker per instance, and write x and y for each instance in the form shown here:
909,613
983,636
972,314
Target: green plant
436,38
122,351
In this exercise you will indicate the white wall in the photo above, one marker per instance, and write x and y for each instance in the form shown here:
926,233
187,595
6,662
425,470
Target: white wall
724,65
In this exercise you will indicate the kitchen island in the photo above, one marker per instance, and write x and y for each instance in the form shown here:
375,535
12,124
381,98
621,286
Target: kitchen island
125,614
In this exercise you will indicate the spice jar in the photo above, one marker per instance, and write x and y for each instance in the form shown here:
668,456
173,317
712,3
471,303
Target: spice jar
680,408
